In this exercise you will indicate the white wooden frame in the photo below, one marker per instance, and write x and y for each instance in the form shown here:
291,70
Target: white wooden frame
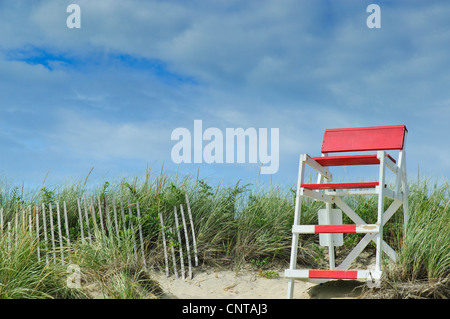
399,194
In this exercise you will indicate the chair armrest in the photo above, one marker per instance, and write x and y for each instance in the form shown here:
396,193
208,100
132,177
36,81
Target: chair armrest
317,167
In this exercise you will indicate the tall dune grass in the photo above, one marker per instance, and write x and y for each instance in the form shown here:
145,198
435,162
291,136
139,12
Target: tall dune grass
425,252
235,225
23,276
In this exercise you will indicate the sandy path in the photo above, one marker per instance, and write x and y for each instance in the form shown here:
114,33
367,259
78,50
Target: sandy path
209,283
226,284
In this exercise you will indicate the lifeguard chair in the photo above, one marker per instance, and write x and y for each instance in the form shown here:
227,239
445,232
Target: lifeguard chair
330,228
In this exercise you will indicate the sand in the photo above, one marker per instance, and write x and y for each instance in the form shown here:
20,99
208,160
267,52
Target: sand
248,284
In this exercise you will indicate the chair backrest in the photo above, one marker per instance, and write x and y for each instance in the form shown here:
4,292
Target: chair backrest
373,138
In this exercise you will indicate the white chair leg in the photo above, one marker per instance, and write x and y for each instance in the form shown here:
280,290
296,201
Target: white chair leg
297,214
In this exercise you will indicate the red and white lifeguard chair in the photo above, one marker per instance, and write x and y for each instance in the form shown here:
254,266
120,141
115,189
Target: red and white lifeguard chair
361,139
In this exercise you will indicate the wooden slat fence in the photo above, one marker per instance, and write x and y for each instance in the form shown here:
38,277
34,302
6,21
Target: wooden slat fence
55,229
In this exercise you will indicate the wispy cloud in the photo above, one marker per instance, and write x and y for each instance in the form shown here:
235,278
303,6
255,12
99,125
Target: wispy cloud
105,140
111,92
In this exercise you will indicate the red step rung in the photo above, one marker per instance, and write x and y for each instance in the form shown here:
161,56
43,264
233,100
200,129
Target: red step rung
335,229
340,185
334,274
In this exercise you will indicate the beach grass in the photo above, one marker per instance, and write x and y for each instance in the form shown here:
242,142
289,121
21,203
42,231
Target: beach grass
235,226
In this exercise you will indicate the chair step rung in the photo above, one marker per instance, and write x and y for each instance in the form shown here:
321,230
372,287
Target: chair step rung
340,185
350,160
331,274
335,229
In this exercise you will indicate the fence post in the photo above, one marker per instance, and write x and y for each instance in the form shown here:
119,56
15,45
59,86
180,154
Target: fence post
140,234
194,241
87,219
164,244
173,256
52,233
123,215
188,249
66,224
131,225
100,214
94,218
80,219
30,226
9,236
1,221
179,241
37,234
108,217
45,232
60,232
115,220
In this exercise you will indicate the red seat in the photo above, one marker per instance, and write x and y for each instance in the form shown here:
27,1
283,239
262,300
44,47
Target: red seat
364,139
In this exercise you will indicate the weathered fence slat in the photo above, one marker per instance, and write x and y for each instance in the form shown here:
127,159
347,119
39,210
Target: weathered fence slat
30,226
173,257
179,242
108,217
100,214
60,232
123,215
87,219
1,222
37,234
130,214
166,261
194,241
80,220
115,219
52,232
141,239
16,226
187,241
9,236
94,218
45,232
66,224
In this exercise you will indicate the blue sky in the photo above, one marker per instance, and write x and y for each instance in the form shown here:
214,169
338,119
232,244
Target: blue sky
108,95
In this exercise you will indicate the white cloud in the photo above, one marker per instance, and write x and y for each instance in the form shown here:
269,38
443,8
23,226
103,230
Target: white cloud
85,136
300,66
